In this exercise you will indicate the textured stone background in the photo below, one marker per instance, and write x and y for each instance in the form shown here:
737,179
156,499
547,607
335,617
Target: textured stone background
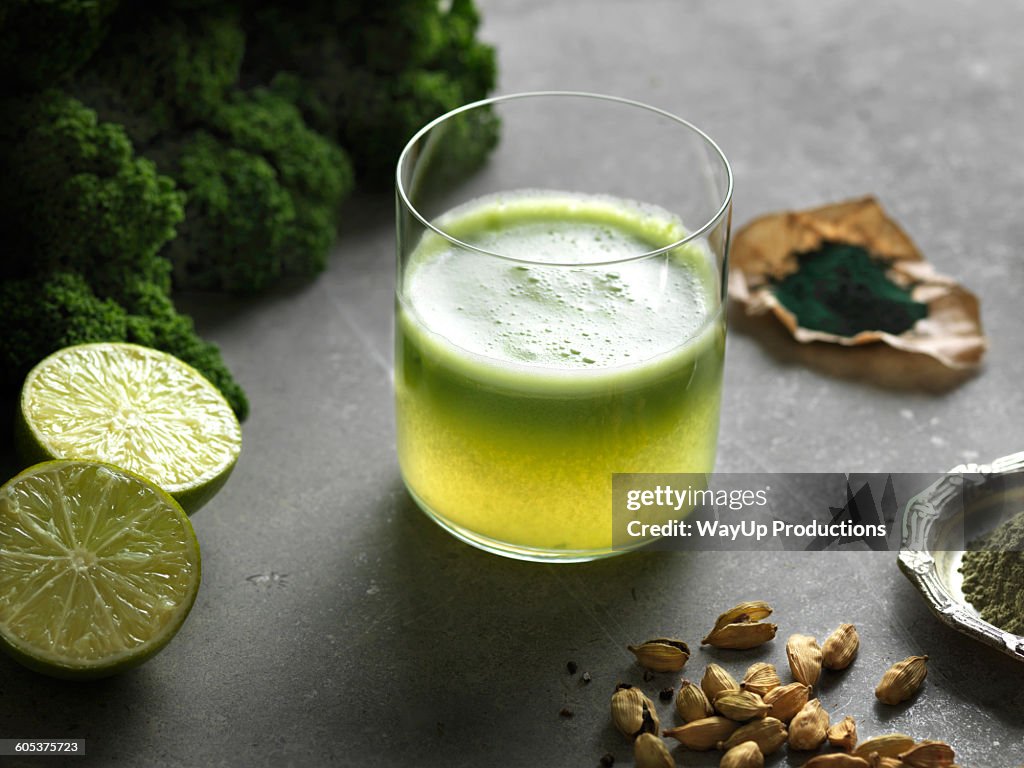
338,625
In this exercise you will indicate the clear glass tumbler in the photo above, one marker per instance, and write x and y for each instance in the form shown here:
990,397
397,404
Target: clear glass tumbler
559,315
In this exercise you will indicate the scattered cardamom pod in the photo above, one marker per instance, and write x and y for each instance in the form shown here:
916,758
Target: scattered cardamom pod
843,735
632,712
663,654
703,734
760,678
750,611
741,705
809,727
768,733
804,659
692,703
742,635
716,680
741,628
650,752
745,755
787,700
902,680
886,745
837,760
840,648
929,754
752,715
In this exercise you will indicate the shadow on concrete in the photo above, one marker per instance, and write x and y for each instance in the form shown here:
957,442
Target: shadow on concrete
874,364
36,706
473,644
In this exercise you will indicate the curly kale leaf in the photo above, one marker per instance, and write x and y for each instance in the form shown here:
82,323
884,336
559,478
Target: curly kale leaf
84,220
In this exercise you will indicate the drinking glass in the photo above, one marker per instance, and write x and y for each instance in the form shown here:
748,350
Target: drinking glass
559,315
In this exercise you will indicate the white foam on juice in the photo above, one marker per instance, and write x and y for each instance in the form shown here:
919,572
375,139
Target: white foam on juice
607,314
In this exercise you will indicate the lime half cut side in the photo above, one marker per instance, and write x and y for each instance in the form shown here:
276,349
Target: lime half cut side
98,568
134,407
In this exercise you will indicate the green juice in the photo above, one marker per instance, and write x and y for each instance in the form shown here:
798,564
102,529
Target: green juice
521,387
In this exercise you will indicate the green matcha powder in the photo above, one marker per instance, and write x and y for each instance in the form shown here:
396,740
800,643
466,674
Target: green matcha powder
993,573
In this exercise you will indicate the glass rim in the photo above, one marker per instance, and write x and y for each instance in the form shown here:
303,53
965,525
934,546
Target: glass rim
693,235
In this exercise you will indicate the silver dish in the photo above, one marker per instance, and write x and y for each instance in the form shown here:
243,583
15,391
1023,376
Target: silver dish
939,523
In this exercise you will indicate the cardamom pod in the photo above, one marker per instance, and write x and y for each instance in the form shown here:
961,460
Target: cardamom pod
804,659
809,727
663,654
843,735
745,755
703,734
877,761
692,703
650,752
787,700
744,612
902,680
632,712
929,754
840,648
837,760
716,680
741,635
768,733
741,705
760,678
740,627
886,745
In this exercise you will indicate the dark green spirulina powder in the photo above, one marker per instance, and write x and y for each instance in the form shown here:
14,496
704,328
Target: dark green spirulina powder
993,571
841,289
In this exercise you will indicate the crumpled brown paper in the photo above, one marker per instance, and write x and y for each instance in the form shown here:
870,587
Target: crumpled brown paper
765,251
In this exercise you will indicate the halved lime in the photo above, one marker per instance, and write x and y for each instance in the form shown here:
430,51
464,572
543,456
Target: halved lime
135,407
98,568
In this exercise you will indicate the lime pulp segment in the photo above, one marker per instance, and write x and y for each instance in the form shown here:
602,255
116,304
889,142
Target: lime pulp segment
98,568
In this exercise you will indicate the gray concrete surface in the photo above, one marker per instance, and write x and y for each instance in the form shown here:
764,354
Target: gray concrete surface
337,625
